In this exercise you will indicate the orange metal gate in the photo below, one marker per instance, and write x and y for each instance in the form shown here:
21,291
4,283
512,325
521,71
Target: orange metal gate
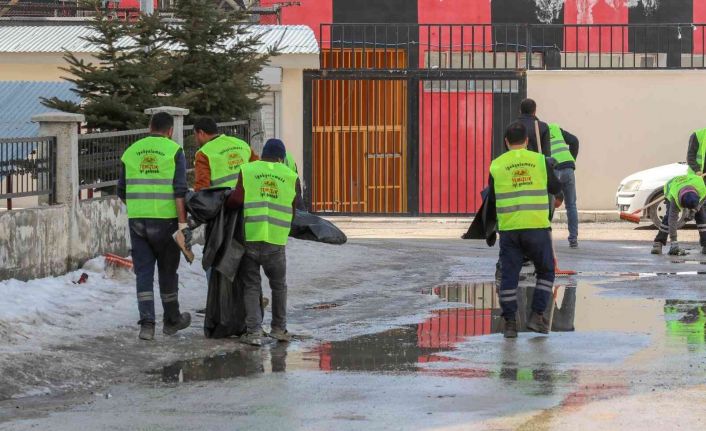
359,138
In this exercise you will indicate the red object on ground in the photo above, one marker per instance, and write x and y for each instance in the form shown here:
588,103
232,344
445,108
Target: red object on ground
83,279
115,260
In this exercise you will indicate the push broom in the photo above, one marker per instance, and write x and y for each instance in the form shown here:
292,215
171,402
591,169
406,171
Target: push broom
557,272
635,216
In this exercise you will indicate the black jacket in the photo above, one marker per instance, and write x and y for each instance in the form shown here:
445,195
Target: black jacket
692,153
528,122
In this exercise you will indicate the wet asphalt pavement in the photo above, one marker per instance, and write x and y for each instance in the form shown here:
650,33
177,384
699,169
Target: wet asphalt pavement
423,351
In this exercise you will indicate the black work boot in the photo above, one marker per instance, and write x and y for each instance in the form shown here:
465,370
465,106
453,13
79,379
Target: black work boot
252,338
657,248
183,322
510,329
280,334
537,323
147,331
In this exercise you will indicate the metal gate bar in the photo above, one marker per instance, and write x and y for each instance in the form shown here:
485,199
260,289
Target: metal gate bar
401,141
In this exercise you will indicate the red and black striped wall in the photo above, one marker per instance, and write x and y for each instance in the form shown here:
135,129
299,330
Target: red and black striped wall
315,12
457,127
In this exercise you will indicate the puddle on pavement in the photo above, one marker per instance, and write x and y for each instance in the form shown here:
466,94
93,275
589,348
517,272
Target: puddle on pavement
227,365
435,346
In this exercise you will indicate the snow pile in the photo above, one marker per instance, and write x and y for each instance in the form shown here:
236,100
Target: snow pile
55,307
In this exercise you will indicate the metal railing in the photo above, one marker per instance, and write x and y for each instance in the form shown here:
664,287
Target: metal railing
512,46
99,158
99,154
27,168
63,10
66,9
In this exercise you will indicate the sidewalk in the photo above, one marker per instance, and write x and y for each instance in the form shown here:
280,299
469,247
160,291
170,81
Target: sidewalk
453,228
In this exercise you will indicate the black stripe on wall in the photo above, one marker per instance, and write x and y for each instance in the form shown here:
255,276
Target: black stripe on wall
549,40
670,40
375,11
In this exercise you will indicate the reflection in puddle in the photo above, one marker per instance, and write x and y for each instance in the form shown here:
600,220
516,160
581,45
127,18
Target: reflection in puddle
481,296
240,363
639,338
686,321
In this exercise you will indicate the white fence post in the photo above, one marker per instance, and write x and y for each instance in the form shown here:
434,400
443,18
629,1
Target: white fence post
64,126
178,114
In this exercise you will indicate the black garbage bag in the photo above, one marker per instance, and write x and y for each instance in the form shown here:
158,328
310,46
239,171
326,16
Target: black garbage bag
222,252
484,225
309,227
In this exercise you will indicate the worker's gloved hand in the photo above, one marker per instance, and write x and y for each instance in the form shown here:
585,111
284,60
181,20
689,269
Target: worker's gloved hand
186,231
675,250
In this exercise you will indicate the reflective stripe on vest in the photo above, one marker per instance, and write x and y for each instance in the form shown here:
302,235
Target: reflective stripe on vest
520,185
676,184
269,194
233,178
149,178
225,155
701,153
560,150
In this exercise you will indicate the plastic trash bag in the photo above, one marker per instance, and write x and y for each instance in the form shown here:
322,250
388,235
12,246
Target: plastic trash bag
309,227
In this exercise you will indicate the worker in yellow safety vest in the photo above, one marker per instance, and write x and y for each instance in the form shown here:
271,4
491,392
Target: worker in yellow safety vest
681,192
218,160
152,184
520,183
266,192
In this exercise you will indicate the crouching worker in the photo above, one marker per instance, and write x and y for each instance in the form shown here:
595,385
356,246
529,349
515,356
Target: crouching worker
682,192
520,183
266,192
153,184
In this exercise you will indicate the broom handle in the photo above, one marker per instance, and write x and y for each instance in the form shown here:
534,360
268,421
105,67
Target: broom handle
551,312
656,201
537,137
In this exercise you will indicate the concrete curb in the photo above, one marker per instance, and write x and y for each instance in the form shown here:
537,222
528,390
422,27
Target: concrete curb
559,217
590,216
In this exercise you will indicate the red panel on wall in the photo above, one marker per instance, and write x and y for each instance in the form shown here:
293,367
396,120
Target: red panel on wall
445,38
455,139
699,17
453,12
133,4
310,12
446,328
604,39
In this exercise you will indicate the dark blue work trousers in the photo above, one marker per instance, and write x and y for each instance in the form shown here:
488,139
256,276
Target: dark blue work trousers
152,242
537,246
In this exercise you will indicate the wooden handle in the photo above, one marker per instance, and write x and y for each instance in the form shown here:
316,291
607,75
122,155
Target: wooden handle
537,136
656,201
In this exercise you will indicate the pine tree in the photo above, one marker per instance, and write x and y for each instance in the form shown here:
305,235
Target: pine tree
214,61
206,60
124,81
